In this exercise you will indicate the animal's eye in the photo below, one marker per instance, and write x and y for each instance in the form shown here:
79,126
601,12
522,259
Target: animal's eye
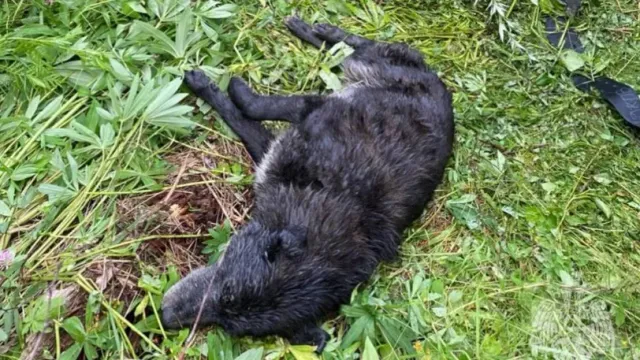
271,253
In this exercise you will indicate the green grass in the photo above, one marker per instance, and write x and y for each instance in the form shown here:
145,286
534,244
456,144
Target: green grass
530,248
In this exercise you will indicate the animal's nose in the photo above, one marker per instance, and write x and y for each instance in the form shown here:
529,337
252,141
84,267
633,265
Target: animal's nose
170,318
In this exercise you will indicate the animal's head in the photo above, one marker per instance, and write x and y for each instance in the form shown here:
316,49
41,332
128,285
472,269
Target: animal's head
282,278
265,283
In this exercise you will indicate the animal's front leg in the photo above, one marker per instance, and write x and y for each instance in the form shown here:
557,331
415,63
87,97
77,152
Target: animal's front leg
255,137
294,108
302,30
333,34
311,335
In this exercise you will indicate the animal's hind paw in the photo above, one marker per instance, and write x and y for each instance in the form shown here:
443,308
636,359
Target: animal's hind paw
197,80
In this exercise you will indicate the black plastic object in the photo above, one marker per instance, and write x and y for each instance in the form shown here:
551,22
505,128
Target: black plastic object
621,96
555,32
572,6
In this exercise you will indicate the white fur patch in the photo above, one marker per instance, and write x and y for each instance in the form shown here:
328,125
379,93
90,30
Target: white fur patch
267,161
359,73
347,92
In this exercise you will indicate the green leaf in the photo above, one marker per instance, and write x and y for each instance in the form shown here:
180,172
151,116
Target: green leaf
182,40
603,207
4,209
455,296
253,354
3,336
397,334
33,106
369,352
73,166
23,171
163,42
439,311
567,280
56,193
73,326
135,6
211,11
303,352
48,110
356,330
72,353
165,95
571,60
107,135
208,30
330,79
90,351
120,71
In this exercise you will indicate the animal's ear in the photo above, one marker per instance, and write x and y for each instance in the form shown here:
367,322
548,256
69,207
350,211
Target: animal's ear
293,241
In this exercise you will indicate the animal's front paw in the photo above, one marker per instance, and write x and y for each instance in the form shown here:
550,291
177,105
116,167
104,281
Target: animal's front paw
197,80
312,335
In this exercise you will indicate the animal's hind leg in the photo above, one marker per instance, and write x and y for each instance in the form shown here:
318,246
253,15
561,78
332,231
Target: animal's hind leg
255,137
293,109
333,34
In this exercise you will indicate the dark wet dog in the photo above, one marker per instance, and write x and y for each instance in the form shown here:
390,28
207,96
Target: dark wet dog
334,192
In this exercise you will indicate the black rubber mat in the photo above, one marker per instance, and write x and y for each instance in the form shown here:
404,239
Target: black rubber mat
621,96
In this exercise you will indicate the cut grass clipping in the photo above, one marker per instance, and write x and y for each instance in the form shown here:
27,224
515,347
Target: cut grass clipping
114,183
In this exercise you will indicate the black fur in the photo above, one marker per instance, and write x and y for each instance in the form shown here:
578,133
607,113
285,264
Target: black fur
333,193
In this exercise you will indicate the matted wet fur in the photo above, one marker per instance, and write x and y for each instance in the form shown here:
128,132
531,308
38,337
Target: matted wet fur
333,193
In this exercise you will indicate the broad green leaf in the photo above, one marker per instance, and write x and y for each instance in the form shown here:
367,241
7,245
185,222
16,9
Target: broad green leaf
23,171
439,311
72,353
303,352
162,43
73,326
567,280
137,7
33,106
163,95
571,60
455,296
90,351
4,209
253,354
70,133
397,334
86,132
356,330
121,72
369,352
56,193
73,166
330,79
209,10
603,207
107,135
182,40
208,30
48,110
